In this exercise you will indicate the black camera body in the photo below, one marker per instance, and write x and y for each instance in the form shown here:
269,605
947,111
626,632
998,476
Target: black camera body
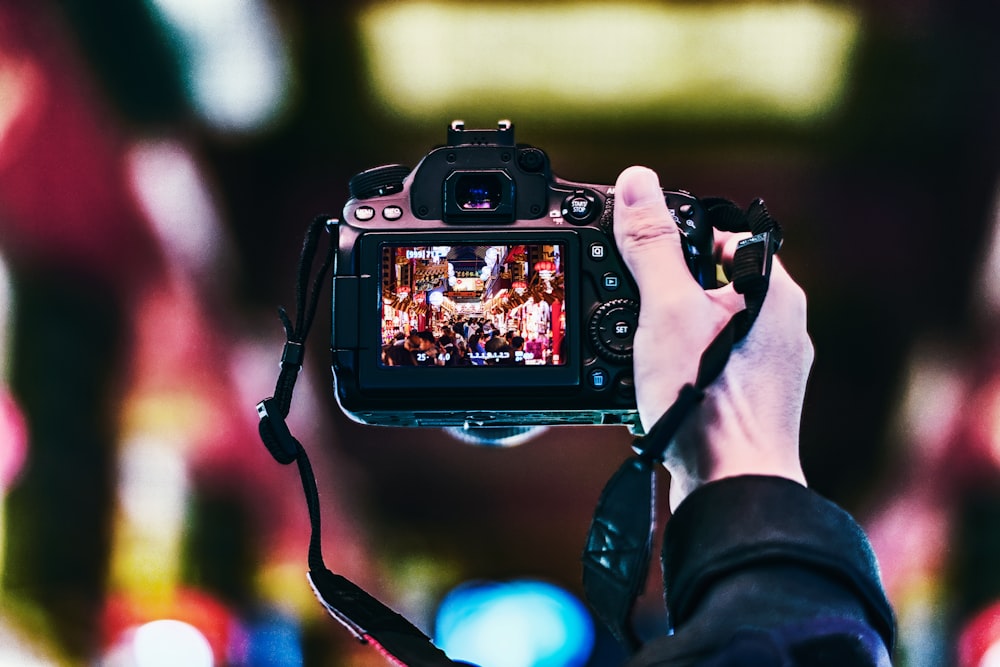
481,290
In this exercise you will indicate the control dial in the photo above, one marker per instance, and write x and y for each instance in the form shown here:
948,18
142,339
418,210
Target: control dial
612,329
378,181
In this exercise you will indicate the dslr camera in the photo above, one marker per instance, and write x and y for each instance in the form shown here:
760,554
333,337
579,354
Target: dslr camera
480,290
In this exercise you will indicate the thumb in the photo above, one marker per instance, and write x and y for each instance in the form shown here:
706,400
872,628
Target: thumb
646,234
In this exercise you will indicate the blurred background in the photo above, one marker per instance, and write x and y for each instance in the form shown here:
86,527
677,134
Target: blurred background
160,161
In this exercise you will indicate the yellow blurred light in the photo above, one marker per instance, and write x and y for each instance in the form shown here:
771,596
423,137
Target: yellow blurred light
284,585
780,60
153,491
17,650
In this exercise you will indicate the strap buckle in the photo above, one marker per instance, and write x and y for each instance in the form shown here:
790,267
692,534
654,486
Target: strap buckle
275,434
293,354
752,262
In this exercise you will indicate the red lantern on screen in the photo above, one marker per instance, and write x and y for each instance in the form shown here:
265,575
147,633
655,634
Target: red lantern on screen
545,269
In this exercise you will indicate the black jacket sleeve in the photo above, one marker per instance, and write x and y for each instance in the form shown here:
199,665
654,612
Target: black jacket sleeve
763,565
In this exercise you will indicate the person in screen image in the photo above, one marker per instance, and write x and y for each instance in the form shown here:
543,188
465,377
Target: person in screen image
427,351
459,330
476,349
517,350
404,353
535,346
390,355
497,348
448,354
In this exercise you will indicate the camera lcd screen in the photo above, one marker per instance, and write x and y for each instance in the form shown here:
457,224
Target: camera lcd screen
474,306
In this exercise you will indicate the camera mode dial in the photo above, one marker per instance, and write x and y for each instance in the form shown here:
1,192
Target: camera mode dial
612,329
378,181
531,160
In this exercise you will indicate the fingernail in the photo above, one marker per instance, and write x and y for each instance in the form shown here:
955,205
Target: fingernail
638,186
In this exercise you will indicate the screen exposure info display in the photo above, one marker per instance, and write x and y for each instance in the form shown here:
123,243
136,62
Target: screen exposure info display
476,306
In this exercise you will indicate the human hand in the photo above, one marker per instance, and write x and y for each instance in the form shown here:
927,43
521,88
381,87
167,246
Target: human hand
748,422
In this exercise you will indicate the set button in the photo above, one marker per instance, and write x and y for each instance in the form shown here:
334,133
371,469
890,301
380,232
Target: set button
623,329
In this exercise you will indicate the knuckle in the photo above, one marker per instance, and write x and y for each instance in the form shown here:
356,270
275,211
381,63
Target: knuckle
644,228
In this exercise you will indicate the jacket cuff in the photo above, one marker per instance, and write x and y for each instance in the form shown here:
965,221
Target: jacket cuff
736,523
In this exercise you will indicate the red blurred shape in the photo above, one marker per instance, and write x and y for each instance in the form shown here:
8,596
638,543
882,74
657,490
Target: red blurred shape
13,439
979,635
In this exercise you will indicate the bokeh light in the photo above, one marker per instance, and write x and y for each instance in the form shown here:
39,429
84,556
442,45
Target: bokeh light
515,624
168,643
621,60
234,59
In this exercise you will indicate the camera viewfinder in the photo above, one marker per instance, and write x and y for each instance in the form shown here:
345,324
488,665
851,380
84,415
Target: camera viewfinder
471,195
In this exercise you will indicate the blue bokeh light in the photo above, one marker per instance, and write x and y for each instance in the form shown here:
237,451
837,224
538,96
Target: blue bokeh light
515,624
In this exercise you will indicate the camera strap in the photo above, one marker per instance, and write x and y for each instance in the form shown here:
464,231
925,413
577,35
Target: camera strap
617,550
368,619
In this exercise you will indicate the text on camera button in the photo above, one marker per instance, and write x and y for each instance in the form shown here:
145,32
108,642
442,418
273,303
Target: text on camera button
392,213
364,213
579,207
597,251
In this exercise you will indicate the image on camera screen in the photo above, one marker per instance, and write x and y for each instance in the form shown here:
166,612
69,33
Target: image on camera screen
473,305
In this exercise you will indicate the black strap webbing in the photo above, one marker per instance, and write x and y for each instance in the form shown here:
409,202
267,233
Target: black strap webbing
617,550
370,621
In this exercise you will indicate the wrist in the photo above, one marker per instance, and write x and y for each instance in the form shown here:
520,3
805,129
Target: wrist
721,440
